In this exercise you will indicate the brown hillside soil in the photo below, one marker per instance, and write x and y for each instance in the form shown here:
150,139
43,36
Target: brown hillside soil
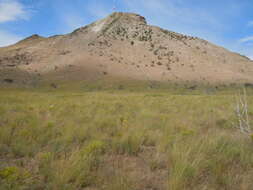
122,45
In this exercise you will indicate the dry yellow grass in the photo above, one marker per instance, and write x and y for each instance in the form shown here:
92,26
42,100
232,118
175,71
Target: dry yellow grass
121,140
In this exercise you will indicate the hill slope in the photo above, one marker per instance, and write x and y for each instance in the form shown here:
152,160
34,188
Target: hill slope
122,45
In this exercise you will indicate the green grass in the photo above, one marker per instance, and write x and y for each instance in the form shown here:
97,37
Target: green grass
95,138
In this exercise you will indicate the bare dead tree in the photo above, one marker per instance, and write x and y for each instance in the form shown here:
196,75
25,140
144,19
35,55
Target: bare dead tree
242,116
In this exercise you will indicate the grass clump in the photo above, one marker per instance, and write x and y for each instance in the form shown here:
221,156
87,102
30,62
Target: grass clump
14,178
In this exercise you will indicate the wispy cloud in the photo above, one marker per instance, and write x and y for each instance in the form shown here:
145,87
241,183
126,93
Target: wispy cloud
173,11
11,10
72,21
7,38
250,23
246,39
98,10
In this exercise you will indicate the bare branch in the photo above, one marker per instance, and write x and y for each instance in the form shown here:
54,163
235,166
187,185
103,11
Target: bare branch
241,110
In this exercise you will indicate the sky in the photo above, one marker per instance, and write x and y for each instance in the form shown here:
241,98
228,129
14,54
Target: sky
228,23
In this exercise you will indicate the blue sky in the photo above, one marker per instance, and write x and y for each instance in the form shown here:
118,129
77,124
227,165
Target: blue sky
228,23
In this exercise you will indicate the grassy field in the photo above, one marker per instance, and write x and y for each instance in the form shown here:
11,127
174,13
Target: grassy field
122,140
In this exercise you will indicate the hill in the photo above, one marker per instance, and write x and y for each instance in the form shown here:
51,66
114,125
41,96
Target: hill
122,46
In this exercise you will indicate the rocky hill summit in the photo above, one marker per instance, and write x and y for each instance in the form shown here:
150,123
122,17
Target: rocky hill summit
122,45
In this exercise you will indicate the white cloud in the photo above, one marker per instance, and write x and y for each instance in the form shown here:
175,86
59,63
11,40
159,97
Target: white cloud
7,38
11,10
246,39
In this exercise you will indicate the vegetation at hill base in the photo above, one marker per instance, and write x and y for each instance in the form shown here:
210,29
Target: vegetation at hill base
111,139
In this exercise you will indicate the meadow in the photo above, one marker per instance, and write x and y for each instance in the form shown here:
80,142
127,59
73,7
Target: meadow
121,139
